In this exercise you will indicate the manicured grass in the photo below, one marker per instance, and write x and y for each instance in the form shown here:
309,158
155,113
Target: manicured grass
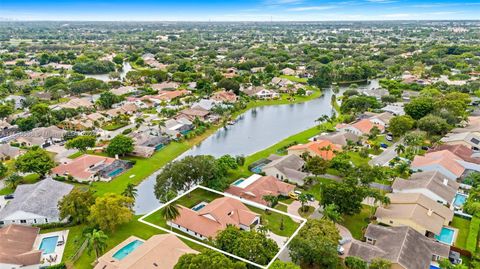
357,223
305,214
281,207
75,155
294,78
472,239
463,226
316,190
356,159
113,126
197,196
273,220
6,191
31,178
285,199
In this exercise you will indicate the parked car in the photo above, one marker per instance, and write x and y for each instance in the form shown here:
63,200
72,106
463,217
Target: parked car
340,250
293,195
383,145
310,197
8,197
389,137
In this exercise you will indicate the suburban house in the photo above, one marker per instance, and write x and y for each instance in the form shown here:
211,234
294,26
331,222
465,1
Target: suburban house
30,141
17,247
464,152
8,152
415,210
260,92
16,100
404,247
472,126
75,103
35,203
123,90
155,142
396,109
444,161
176,128
468,139
205,222
170,86
288,168
160,251
320,148
432,184
360,127
379,118
224,96
190,114
256,187
92,167
339,138
288,71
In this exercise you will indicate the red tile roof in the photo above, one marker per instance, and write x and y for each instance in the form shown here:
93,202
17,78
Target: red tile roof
267,185
322,148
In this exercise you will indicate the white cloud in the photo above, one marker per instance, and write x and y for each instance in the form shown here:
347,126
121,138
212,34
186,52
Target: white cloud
310,8
382,1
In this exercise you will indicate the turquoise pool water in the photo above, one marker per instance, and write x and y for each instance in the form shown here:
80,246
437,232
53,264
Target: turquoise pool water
115,172
127,249
238,182
446,236
48,244
257,169
434,267
459,200
199,206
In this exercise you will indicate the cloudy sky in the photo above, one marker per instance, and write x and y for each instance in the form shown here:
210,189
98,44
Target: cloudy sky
239,10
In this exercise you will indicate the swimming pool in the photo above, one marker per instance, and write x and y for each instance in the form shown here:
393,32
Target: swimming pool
127,249
238,182
199,206
434,266
459,200
115,172
446,236
48,244
257,169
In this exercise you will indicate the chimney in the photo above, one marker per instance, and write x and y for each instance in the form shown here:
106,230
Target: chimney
430,212
445,181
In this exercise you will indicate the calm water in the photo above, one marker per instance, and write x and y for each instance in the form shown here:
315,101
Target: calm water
105,77
255,130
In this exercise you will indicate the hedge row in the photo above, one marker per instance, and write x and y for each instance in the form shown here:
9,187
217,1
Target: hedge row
472,239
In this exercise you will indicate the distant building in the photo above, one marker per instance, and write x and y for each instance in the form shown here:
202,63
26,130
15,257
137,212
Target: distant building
288,168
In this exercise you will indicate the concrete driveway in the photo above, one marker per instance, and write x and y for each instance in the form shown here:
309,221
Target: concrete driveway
295,206
386,156
345,233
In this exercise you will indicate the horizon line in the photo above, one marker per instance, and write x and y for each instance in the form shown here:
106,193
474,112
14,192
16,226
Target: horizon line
212,20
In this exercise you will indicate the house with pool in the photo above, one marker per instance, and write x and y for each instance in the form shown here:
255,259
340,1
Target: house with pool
417,211
205,220
432,184
92,168
403,246
35,203
256,187
17,247
159,252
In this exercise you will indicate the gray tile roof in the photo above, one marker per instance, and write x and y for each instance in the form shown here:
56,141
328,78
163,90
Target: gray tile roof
401,245
40,198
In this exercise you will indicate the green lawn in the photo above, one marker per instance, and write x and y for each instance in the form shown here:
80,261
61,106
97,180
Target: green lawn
113,126
306,213
75,155
463,226
357,223
294,78
273,220
6,191
197,196
315,190
281,207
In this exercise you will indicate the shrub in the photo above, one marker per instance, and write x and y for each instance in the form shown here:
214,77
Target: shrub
472,239
57,266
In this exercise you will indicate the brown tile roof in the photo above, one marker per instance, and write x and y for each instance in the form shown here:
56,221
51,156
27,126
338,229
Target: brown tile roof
266,185
16,245
322,148
366,125
215,216
159,252
224,96
460,150
80,167
444,158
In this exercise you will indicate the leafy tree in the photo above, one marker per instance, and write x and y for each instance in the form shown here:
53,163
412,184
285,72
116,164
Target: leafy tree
26,124
272,200
399,125
3,170
419,107
226,163
316,244
5,110
251,245
347,196
341,163
81,143
359,104
229,85
183,174
120,145
96,242
446,264
353,262
316,165
111,210
208,259
283,265
303,199
94,67
76,205
13,180
35,160
86,85
108,99
130,191
170,212
433,125
379,263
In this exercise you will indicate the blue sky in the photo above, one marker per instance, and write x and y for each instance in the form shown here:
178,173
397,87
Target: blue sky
239,10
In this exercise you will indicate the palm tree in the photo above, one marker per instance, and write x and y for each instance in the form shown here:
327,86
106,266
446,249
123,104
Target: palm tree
272,200
303,199
170,212
262,229
13,180
96,241
130,191
400,149
330,212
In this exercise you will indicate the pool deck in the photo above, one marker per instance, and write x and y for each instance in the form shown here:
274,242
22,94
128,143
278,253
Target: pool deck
109,255
454,238
62,235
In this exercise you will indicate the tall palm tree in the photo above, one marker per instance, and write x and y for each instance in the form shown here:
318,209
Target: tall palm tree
13,180
303,199
97,242
330,212
130,191
170,212
400,149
